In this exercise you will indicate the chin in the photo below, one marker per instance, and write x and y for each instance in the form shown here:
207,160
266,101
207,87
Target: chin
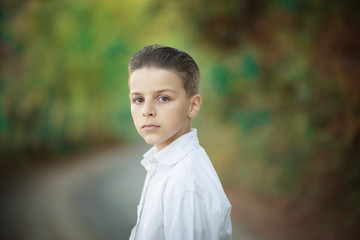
150,140
154,141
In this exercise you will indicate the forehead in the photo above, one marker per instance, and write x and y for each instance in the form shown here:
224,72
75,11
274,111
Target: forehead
152,79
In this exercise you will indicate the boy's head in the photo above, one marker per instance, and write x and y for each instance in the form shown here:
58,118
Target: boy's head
181,63
164,84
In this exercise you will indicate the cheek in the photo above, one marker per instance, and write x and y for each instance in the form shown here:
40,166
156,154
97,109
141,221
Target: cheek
177,114
135,115
134,109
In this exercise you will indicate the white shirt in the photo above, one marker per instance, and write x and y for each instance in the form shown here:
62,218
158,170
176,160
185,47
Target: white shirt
182,198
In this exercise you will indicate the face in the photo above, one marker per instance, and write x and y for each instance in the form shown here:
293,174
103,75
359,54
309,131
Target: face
160,107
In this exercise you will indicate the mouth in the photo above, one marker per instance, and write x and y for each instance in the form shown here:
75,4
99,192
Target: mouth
150,127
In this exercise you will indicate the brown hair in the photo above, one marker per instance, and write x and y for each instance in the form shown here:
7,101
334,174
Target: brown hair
172,59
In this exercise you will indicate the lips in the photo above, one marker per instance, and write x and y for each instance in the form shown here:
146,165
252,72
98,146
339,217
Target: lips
150,127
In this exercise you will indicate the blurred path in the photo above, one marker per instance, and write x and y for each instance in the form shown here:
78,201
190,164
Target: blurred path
90,197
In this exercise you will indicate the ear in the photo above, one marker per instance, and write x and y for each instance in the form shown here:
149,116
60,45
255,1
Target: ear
195,102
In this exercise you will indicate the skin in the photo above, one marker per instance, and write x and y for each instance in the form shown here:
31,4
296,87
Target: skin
160,108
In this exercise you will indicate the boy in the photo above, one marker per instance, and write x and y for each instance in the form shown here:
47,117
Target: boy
182,198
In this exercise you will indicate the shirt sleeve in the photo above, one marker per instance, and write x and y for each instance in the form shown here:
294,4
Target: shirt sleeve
187,215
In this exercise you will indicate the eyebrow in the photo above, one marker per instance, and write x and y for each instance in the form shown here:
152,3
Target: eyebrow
158,91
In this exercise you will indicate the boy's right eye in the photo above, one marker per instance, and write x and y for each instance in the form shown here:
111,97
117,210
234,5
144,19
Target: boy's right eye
138,100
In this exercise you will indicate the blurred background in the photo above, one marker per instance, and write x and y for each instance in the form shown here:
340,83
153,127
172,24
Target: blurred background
280,117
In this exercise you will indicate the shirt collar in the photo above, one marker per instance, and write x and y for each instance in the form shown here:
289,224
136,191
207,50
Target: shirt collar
174,152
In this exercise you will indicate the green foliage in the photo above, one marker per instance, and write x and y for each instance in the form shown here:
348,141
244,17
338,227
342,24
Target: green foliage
280,90
284,102
66,80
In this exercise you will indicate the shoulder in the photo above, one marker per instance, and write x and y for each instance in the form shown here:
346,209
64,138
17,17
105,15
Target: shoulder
195,175
194,168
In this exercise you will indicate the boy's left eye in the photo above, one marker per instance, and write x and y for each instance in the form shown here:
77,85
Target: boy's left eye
163,99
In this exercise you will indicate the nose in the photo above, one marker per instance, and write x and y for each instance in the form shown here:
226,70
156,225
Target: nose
149,110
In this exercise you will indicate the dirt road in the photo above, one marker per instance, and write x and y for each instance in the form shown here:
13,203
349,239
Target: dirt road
90,197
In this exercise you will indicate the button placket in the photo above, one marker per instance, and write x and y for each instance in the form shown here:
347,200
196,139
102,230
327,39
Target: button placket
151,169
